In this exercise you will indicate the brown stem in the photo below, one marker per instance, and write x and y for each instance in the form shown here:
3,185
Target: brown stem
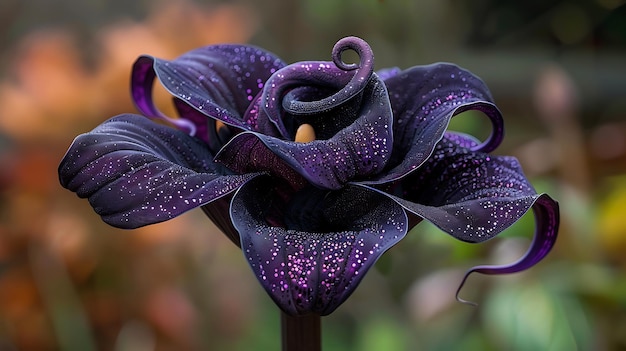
301,333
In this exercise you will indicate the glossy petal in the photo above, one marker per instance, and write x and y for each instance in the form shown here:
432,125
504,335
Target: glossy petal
470,195
326,95
219,81
330,241
547,217
424,99
137,172
474,196
355,152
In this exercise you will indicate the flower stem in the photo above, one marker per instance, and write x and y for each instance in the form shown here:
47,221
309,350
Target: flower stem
301,333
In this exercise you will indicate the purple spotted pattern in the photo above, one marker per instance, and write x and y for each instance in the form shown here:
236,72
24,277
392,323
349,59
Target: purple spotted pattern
315,268
310,217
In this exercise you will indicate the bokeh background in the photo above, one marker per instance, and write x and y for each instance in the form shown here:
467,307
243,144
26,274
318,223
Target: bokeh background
557,69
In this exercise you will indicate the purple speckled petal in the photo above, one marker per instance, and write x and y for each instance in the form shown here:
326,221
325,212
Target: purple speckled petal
325,95
471,195
423,99
136,172
330,241
355,152
474,196
546,212
220,81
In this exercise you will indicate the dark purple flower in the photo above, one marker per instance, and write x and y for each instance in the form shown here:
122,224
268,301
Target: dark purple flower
315,168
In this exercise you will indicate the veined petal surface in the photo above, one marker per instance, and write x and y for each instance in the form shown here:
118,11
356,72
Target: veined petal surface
423,100
356,152
219,81
474,196
137,172
329,239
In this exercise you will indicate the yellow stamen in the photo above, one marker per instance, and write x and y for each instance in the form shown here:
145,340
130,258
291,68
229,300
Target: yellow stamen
219,125
305,133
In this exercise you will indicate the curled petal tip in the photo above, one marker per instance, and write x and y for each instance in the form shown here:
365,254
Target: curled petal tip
466,302
458,290
291,87
360,46
497,130
546,212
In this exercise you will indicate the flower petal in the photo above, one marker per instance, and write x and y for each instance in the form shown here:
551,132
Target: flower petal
474,196
423,99
354,153
136,172
220,81
330,241
470,195
322,94
546,212
218,212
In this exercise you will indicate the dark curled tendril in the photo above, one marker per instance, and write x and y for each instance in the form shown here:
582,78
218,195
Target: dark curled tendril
366,55
142,81
547,220
497,131
292,101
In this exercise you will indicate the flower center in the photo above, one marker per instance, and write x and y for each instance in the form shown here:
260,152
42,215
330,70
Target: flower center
297,102
218,134
305,134
219,126
223,132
